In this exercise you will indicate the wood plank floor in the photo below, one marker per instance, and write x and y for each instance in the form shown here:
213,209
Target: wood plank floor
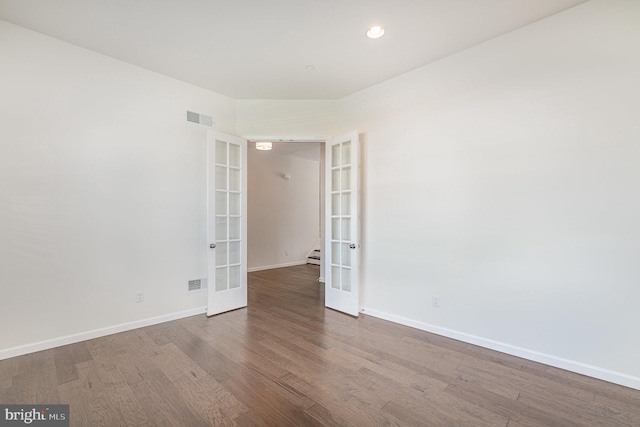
288,361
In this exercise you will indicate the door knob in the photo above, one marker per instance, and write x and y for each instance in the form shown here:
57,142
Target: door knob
212,245
352,246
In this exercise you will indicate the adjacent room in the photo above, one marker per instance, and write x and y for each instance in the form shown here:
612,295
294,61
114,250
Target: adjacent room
444,232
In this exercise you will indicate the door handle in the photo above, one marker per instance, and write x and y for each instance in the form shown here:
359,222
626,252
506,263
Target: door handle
212,245
352,246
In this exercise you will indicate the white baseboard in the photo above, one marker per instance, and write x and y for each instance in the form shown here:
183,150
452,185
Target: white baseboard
558,362
96,333
270,267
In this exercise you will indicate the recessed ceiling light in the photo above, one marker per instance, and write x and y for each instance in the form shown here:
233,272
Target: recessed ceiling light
375,32
310,67
264,146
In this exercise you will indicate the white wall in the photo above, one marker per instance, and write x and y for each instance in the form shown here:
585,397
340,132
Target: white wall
283,214
296,119
103,190
504,180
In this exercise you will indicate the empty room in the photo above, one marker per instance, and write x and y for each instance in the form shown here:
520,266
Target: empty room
320,212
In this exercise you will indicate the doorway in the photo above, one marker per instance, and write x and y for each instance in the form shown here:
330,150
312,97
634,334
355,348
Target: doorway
285,203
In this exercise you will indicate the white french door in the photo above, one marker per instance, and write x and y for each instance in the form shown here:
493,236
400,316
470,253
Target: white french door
342,237
226,222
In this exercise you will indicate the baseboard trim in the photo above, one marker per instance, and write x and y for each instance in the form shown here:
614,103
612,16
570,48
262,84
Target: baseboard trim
96,333
270,267
558,362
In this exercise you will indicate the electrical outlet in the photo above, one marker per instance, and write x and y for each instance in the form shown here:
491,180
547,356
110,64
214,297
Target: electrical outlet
435,301
139,296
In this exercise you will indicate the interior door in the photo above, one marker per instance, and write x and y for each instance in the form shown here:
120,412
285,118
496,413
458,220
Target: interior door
342,208
226,222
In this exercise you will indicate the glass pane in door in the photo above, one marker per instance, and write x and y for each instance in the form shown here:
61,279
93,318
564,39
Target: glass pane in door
346,229
234,203
346,280
346,153
335,156
234,252
234,276
335,180
346,179
335,253
221,254
221,178
221,228
221,153
221,279
234,179
234,155
335,277
221,202
335,228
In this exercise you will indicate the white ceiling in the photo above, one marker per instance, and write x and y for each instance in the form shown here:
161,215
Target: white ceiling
260,48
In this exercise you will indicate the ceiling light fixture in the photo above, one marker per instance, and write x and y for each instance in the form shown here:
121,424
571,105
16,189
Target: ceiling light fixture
375,32
263,146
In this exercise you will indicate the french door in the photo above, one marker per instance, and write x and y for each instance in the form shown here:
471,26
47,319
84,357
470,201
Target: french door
342,237
226,222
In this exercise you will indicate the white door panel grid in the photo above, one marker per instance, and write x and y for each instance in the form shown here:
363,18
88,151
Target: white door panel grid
342,210
226,222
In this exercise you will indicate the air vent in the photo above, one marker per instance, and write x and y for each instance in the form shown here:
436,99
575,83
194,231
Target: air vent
196,285
200,119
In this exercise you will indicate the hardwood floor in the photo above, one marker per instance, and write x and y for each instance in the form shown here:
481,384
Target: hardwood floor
288,361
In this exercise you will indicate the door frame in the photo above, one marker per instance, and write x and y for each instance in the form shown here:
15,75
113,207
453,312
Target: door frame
323,190
322,141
